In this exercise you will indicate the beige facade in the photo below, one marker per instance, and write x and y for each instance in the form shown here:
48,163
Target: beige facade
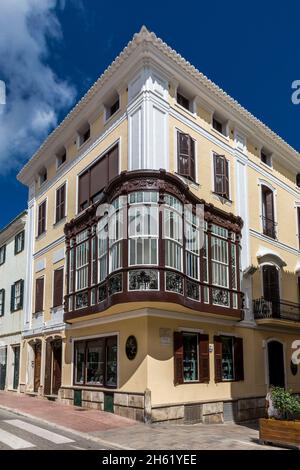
146,78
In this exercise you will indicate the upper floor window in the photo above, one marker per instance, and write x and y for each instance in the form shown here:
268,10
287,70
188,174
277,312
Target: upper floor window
298,180
298,220
221,175
43,176
2,254
93,181
268,215
183,101
42,218
60,210
219,124
58,287
112,106
39,295
2,302
186,156
266,157
19,242
61,157
16,298
84,134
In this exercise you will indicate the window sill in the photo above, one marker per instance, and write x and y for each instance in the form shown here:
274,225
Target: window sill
222,199
80,146
186,111
188,181
266,166
18,252
41,236
220,134
59,222
110,118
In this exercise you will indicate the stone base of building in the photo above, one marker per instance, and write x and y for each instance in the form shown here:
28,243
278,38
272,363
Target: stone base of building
137,406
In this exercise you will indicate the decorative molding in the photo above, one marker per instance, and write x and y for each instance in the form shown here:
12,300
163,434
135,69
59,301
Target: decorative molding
275,243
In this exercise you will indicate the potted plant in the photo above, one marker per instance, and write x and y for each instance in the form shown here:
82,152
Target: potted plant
282,428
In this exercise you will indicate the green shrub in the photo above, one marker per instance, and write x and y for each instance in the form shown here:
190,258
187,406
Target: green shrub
285,403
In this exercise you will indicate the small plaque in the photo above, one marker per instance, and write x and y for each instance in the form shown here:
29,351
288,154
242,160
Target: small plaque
165,335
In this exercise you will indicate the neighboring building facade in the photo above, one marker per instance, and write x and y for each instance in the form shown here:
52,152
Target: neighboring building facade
156,328
12,279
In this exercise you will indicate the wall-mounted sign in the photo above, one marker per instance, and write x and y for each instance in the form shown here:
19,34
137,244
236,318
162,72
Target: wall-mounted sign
165,335
131,347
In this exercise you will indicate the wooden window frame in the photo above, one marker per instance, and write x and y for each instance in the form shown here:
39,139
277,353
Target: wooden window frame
54,303
3,250
202,358
237,356
86,342
42,218
60,204
190,157
2,309
22,235
36,309
224,175
13,296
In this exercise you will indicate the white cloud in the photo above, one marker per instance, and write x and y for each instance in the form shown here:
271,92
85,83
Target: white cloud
35,95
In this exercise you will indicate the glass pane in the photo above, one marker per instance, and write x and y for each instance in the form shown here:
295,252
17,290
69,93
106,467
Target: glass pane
111,361
190,357
95,362
79,363
227,358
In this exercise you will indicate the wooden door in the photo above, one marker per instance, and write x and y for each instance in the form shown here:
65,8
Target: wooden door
56,373
271,288
37,366
16,367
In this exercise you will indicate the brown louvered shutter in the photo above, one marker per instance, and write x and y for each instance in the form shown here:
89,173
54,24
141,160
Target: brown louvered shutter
42,218
58,287
192,160
238,359
113,163
178,358
60,203
220,174
83,191
268,211
298,214
47,383
99,176
226,178
39,294
183,154
218,358
204,358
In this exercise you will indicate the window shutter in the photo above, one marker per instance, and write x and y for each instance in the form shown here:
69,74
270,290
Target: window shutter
23,240
113,162
178,358
16,245
39,294
238,356
83,191
12,298
218,358
21,293
183,150
2,294
270,283
226,178
42,218
99,176
58,282
192,160
60,203
204,358
219,169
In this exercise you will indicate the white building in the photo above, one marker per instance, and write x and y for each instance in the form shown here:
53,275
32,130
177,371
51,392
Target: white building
12,277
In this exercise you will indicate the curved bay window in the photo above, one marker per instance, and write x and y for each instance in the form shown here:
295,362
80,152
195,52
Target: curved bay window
151,244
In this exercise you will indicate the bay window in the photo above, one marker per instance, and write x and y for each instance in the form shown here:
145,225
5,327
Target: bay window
116,228
173,234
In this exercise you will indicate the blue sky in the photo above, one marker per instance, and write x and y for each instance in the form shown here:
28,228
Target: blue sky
51,52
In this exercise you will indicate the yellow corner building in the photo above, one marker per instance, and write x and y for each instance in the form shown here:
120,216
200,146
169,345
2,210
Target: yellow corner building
142,322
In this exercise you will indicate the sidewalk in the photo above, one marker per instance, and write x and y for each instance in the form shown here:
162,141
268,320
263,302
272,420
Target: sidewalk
123,433
79,419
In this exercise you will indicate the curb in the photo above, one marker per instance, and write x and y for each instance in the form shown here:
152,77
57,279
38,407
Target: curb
83,435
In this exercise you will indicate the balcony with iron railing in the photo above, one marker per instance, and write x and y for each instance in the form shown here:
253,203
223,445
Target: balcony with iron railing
269,227
276,310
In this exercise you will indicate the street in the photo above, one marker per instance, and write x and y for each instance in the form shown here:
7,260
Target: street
22,433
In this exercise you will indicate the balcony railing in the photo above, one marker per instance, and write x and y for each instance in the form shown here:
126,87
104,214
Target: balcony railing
269,227
281,309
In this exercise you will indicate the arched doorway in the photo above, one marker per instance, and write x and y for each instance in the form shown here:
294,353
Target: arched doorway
276,363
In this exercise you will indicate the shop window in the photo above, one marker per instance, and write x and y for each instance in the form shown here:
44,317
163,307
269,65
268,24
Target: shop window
229,362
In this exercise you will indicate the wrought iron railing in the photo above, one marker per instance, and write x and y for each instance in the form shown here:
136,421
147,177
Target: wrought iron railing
269,227
281,309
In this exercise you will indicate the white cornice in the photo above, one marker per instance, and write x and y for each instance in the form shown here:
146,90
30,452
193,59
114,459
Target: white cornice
146,45
275,243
